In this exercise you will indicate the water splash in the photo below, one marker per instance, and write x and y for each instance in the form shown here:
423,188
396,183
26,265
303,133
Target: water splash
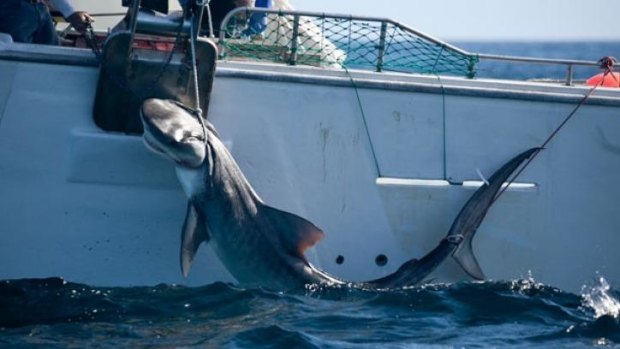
526,284
599,298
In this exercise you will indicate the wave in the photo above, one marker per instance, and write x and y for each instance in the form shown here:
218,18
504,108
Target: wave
493,313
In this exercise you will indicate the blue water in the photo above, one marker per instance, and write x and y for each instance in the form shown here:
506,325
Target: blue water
586,51
56,313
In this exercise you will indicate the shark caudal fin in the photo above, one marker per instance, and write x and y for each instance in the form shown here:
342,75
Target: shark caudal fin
469,219
459,239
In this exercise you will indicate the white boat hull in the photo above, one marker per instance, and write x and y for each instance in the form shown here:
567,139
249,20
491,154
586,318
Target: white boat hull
381,175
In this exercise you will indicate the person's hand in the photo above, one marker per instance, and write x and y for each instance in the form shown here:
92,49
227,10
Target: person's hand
80,20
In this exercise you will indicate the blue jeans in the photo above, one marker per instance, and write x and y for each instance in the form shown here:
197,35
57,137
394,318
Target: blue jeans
27,22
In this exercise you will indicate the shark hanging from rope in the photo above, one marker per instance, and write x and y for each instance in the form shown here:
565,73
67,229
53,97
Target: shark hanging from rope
264,246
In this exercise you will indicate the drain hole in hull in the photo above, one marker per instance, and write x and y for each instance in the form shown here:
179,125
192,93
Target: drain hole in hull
381,260
339,259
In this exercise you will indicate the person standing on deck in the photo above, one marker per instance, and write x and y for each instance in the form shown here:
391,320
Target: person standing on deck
29,21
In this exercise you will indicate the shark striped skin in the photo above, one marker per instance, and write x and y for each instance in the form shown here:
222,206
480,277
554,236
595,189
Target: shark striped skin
262,246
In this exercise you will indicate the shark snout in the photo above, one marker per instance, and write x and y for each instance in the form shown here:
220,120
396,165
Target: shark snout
192,152
170,130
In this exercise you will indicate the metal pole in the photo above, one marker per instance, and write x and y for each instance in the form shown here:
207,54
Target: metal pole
381,47
293,59
569,75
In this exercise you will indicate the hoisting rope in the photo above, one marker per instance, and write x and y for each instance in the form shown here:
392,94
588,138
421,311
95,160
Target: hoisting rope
210,19
361,106
607,64
194,36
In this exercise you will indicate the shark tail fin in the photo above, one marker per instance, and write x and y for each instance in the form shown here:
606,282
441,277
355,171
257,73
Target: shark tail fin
465,257
474,211
415,271
458,242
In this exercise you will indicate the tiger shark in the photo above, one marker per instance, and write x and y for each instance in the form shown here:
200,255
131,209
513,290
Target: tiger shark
262,246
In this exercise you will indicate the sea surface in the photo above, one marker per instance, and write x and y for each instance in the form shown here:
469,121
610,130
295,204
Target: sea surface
57,313
580,50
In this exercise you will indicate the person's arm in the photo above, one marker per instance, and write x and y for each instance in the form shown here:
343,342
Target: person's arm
78,19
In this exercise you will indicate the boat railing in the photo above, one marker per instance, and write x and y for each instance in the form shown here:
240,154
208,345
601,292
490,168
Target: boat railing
325,39
360,42
568,63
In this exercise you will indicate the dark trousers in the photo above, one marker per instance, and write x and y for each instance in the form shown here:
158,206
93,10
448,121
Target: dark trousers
27,21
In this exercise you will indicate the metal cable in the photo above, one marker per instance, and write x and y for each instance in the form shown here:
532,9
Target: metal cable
359,102
605,64
197,109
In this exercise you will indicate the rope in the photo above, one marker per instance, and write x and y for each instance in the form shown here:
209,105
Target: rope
210,19
197,110
359,103
607,64
195,69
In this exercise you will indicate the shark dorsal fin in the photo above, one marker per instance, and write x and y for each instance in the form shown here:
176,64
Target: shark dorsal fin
296,233
194,233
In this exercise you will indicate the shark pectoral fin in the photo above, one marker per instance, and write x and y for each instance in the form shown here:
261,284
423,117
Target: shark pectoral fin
465,257
298,234
193,234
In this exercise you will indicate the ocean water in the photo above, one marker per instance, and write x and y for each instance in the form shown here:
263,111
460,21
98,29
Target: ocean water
54,313
57,313
581,50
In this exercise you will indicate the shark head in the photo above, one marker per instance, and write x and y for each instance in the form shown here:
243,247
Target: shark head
173,132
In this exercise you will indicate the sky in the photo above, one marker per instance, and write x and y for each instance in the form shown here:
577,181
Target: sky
470,19
490,19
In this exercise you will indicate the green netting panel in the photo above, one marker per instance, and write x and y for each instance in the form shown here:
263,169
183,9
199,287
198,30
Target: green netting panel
322,40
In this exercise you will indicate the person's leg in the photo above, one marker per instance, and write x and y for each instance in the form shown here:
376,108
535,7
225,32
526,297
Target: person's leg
219,9
19,19
46,32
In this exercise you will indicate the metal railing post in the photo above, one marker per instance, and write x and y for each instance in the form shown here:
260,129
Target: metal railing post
381,47
294,44
569,75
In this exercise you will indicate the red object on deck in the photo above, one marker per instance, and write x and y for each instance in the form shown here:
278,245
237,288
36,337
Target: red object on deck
610,80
